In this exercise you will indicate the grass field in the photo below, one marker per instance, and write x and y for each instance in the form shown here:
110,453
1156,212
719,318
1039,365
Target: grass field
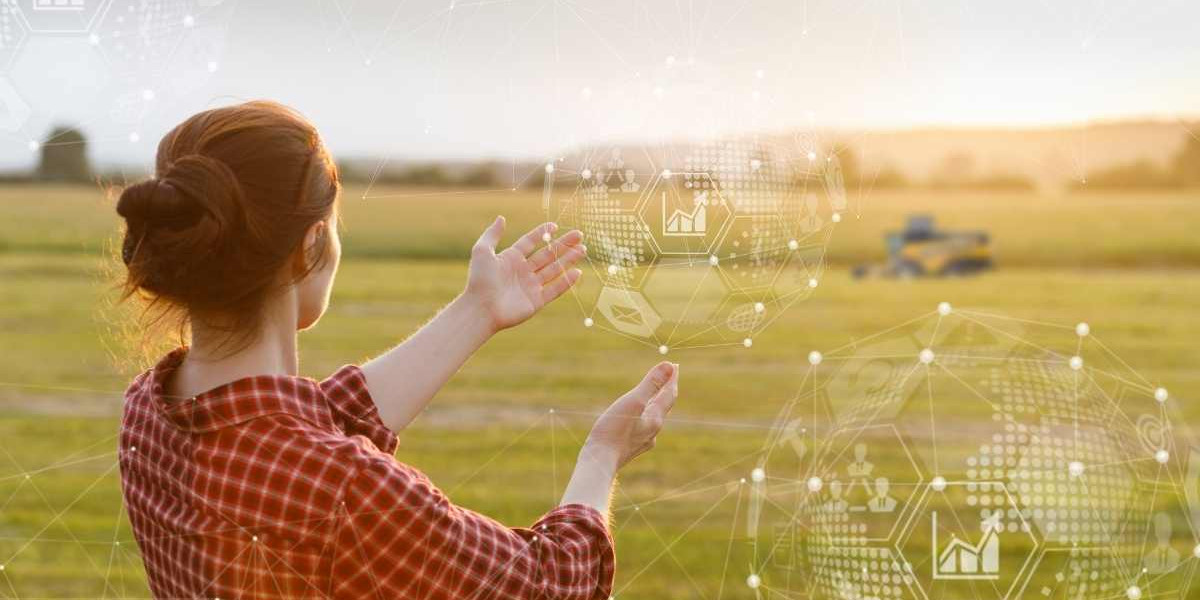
501,437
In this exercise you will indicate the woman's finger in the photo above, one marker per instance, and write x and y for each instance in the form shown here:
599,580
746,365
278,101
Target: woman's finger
558,287
491,236
544,255
529,242
568,259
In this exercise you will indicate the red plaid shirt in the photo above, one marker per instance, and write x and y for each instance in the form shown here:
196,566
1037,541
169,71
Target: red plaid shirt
277,486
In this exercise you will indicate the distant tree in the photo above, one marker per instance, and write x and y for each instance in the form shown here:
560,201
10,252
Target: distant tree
956,169
889,178
1187,162
1140,174
425,175
481,175
848,160
64,157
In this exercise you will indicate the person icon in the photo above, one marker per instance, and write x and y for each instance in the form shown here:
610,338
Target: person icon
861,467
882,502
1163,558
836,505
630,182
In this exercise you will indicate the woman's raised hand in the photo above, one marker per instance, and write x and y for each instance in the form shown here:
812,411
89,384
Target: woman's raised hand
513,285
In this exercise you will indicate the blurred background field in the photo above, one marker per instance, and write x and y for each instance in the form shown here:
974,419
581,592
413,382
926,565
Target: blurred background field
501,437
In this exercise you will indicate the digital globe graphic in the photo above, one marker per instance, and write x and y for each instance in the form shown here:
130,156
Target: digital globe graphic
697,245
965,455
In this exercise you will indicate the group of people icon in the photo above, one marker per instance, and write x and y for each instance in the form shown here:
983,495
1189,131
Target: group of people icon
616,177
878,490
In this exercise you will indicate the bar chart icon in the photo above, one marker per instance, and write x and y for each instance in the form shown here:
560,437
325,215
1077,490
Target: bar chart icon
963,560
53,5
683,223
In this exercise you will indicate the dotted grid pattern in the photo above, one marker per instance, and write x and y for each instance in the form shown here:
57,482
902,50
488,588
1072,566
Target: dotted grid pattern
1036,458
142,34
615,236
10,26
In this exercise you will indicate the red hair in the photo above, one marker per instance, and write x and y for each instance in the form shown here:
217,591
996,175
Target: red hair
219,227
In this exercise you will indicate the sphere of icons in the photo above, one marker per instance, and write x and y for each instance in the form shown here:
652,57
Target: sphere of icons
962,456
697,245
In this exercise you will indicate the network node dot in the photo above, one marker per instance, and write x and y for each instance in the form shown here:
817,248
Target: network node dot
759,307
94,39
135,137
663,349
1162,456
1082,329
670,60
612,269
793,245
34,146
1161,395
944,308
588,322
926,356
586,174
1076,362
814,358
147,95
812,156
938,484
1134,592
1196,551
189,21
212,66
550,168
713,260
815,484
747,342
758,475
658,92
1075,468
753,581
546,237
755,164
812,283
837,217
666,173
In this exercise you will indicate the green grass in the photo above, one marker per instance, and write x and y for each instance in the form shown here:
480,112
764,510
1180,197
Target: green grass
1129,265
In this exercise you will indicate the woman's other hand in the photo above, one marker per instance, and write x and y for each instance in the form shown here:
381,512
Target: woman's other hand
629,427
513,285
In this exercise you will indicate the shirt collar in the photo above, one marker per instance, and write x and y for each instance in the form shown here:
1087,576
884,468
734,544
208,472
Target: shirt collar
237,401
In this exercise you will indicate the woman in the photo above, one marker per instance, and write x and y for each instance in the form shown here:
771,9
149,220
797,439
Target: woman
243,480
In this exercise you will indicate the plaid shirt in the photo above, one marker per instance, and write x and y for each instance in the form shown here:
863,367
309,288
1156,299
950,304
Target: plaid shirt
276,486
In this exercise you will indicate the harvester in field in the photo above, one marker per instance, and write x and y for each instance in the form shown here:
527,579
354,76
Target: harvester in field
922,250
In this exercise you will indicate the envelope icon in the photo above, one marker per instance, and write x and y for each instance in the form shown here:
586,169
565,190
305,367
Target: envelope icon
628,315
628,311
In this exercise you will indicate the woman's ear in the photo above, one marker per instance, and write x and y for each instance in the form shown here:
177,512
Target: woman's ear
306,258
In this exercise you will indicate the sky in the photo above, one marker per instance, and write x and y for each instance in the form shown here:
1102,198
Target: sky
464,79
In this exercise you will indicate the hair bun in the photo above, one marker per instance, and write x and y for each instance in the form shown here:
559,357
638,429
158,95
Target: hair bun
157,201
184,213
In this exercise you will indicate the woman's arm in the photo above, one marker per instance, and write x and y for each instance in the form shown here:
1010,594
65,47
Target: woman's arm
503,290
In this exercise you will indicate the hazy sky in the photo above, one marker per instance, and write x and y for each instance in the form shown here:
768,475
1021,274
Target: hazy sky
524,78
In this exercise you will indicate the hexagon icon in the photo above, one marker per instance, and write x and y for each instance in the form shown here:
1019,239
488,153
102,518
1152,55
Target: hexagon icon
603,206
752,252
684,213
869,484
62,16
14,111
969,540
13,32
628,312
685,291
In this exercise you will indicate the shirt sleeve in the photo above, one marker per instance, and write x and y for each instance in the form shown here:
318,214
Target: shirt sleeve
355,410
400,537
